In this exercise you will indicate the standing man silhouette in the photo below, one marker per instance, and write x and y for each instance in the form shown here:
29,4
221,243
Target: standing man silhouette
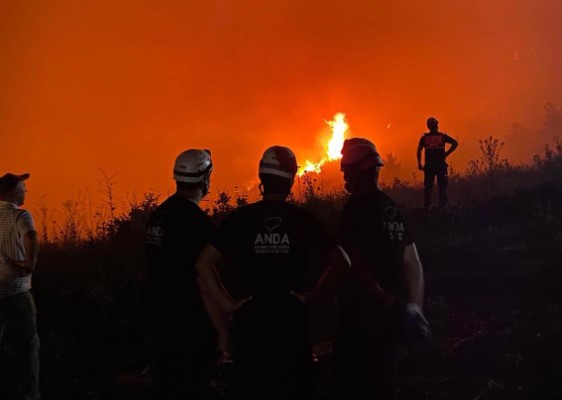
269,243
19,248
380,303
433,142
185,324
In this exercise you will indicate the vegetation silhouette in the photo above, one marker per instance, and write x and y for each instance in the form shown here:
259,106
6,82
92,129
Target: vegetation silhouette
492,287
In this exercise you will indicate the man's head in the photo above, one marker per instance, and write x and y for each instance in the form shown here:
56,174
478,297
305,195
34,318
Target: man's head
432,124
360,164
192,170
12,188
277,170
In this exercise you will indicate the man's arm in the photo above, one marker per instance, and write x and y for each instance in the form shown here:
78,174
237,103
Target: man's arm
364,276
419,153
412,273
205,267
415,321
31,246
454,144
218,317
338,266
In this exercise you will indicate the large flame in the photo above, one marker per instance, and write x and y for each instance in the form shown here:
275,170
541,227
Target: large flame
339,128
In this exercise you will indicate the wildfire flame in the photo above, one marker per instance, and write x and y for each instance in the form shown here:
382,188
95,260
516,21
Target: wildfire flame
339,128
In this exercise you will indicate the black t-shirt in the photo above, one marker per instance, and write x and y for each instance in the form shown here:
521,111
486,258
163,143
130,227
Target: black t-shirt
270,243
434,145
373,224
176,233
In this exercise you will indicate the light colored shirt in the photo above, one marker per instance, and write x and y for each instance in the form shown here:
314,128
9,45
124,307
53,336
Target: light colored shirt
14,224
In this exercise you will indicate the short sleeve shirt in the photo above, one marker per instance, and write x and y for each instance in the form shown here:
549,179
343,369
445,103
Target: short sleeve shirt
15,223
374,225
175,235
434,145
270,242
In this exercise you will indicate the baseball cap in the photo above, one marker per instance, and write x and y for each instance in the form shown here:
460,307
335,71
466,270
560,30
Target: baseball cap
9,181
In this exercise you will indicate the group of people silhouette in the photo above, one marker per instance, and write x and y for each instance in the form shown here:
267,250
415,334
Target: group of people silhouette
261,323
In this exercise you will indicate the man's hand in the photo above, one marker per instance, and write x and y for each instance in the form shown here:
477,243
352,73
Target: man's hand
420,167
22,267
306,297
223,347
302,296
233,306
415,323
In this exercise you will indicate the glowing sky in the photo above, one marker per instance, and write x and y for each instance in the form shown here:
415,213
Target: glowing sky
124,86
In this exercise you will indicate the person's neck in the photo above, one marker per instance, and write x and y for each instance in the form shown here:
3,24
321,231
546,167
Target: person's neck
274,196
193,195
368,189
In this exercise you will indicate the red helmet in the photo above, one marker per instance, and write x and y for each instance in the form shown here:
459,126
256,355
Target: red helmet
359,154
280,161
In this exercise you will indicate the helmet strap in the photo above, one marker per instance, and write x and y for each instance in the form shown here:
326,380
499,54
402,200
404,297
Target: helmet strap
206,183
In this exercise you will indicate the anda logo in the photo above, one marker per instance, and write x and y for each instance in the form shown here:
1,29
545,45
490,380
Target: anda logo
154,235
270,242
157,231
272,238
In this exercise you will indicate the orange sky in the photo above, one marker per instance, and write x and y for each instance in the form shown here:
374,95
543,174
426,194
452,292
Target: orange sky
124,86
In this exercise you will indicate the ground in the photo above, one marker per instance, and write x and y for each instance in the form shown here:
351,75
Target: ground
492,299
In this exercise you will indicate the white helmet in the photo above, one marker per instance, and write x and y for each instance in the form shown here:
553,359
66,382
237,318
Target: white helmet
359,154
193,166
280,161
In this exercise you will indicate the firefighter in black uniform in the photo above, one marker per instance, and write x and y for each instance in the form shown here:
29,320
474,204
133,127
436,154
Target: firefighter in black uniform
184,338
381,300
270,242
435,165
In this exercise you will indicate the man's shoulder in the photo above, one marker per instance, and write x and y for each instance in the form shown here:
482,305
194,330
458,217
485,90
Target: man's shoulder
23,215
296,207
258,208
448,137
445,134
22,212
8,207
360,205
301,213
242,211
383,198
175,207
25,221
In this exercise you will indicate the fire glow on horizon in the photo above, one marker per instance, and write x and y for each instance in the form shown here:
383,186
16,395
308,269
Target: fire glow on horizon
339,129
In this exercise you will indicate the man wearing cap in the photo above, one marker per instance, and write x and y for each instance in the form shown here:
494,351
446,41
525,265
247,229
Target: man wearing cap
269,243
185,339
18,255
382,299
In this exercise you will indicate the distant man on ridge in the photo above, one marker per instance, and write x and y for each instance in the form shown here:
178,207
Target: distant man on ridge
435,165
